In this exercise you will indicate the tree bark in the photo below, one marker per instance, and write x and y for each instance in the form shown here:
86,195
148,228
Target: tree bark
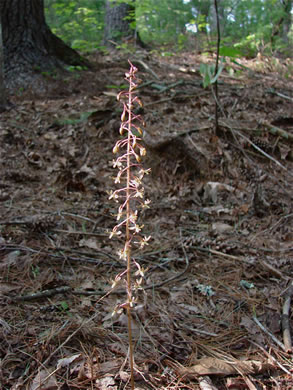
29,44
287,20
213,17
2,86
119,17
283,25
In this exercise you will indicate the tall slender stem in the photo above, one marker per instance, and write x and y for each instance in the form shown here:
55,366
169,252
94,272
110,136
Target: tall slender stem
131,196
217,130
128,210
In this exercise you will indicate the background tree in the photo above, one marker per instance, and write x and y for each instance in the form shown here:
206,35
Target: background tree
29,43
283,22
120,23
2,87
164,21
117,21
246,26
287,22
79,23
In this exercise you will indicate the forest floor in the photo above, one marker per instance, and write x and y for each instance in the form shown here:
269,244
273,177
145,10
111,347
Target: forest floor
213,311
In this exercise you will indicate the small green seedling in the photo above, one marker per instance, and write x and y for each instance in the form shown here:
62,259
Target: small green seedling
208,73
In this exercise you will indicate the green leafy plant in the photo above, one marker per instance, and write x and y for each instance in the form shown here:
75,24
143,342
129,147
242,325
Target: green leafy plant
77,68
82,117
78,23
130,196
49,74
35,271
207,72
64,306
231,52
126,48
249,26
116,86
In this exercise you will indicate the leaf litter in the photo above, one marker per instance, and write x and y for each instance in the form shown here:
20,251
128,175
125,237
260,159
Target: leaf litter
220,260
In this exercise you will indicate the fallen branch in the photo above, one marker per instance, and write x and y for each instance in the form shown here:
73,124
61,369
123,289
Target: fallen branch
62,254
175,276
272,358
42,294
280,132
273,92
226,255
147,68
273,270
285,318
266,331
264,153
170,86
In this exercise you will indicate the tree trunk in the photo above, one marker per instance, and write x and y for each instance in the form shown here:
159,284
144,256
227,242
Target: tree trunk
119,17
2,87
29,44
213,17
287,20
283,25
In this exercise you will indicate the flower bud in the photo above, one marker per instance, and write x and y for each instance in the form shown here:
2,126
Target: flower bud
123,116
142,151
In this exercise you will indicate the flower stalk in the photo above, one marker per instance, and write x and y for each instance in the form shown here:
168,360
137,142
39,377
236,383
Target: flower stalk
130,195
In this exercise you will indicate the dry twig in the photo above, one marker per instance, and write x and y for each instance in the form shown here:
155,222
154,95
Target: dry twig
285,318
266,331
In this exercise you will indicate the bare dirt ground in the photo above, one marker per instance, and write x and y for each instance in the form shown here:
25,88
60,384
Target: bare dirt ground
219,280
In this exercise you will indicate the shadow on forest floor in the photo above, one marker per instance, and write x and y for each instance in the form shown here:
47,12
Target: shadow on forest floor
220,260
